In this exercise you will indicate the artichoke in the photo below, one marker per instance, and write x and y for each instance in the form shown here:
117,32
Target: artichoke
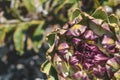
86,48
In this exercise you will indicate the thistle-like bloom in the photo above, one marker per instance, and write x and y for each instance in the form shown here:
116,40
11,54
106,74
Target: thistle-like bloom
88,49
88,56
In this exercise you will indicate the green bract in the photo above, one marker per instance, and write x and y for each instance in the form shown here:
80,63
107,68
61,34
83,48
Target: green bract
87,48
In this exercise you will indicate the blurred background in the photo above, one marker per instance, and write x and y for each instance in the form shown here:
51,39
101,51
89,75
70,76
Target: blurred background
24,25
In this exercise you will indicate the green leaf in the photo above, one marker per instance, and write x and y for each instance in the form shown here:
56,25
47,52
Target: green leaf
75,14
49,70
96,3
38,36
18,38
59,5
98,29
114,25
53,74
42,1
73,11
110,3
9,28
102,1
2,35
45,68
15,4
29,5
100,14
50,39
86,16
113,3
113,19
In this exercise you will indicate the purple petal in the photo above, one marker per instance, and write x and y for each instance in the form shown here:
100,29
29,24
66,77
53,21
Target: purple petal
82,29
90,35
76,41
73,60
99,71
78,54
97,21
109,71
100,57
57,58
73,33
63,48
76,30
63,51
107,40
59,68
80,75
106,26
63,45
67,25
71,23
93,48
77,75
87,65
111,48
117,45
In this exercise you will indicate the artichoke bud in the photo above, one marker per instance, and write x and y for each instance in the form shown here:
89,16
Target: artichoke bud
86,49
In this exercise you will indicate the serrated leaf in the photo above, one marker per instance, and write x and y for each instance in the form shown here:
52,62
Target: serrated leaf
113,19
18,38
100,14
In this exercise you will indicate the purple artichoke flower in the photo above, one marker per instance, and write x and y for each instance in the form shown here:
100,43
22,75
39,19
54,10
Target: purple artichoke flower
88,56
87,48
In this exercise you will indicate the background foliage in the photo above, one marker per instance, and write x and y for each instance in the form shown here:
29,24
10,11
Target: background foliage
24,25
